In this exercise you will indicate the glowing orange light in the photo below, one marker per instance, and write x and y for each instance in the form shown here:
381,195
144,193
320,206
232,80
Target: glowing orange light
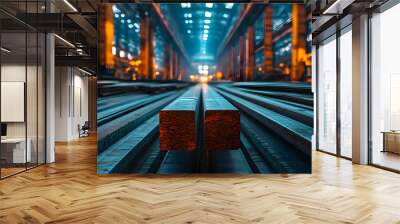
204,79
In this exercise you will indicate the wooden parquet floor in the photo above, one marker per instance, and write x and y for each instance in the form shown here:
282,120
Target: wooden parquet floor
69,191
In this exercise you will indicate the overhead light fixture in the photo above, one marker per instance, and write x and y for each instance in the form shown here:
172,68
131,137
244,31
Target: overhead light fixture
228,5
189,31
185,5
207,21
122,15
209,5
114,50
128,21
205,31
5,50
84,71
121,53
130,26
64,40
115,8
70,5
205,35
206,27
136,25
130,57
225,15
337,7
207,14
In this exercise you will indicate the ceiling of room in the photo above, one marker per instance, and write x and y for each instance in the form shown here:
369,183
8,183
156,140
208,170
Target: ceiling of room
201,26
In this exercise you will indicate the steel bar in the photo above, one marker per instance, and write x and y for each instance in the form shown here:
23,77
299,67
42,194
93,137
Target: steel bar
221,121
178,122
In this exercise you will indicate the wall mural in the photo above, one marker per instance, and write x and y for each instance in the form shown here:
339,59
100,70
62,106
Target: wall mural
204,88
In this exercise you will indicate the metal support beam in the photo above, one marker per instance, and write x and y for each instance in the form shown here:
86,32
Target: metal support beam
171,63
106,38
250,53
166,61
146,48
241,58
268,41
233,64
299,51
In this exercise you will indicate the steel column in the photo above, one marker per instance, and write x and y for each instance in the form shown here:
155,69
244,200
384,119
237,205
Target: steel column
299,54
268,41
250,53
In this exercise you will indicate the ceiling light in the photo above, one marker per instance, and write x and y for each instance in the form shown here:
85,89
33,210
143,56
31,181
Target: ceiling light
122,15
65,41
130,57
205,31
5,50
207,14
337,7
121,53
206,27
209,5
84,71
130,26
114,50
115,8
228,5
185,5
70,5
225,15
128,21
136,25
207,21
189,31
116,15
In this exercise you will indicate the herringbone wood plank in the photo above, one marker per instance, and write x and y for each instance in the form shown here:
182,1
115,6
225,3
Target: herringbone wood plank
70,191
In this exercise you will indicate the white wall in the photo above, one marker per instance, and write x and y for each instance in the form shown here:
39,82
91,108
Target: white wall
71,102
33,127
16,73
